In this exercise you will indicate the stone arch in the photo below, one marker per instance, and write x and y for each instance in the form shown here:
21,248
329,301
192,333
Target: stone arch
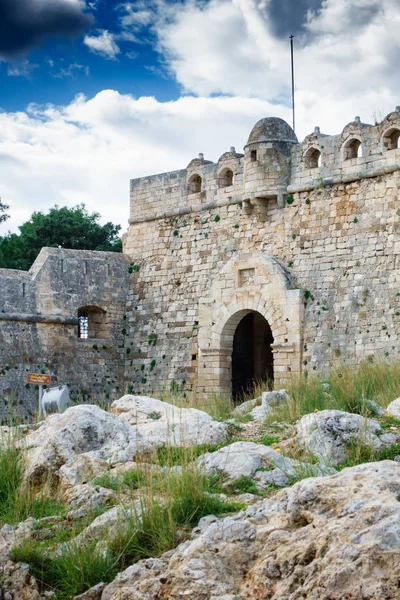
312,158
225,178
194,184
352,148
260,284
391,139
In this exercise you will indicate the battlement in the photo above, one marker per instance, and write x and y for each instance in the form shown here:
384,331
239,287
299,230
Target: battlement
274,165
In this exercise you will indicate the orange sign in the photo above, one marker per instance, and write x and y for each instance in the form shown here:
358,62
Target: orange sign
38,379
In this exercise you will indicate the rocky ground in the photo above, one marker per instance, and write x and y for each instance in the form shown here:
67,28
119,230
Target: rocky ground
309,521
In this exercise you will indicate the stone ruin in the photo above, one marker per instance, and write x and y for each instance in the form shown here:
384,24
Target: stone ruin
261,265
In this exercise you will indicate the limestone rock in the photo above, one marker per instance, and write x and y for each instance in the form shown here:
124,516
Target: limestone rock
86,497
17,583
161,423
83,430
326,434
394,408
94,593
268,401
322,539
246,458
107,524
246,407
259,408
80,470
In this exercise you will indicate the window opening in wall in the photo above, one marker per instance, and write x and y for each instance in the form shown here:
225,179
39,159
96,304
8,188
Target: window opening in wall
391,139
83,326
194,184
86,267
225,178
313,158
92,323
24,290
253,155
353,149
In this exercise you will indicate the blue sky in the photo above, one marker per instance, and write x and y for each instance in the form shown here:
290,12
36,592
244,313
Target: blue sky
55,69
94,92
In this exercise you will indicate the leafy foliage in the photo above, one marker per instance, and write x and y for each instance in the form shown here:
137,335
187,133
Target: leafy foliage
72,228
3,215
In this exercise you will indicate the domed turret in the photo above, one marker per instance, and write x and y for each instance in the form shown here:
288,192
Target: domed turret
267,158
271,129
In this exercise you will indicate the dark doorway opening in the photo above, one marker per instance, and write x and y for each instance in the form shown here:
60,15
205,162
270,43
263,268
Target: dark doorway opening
252,357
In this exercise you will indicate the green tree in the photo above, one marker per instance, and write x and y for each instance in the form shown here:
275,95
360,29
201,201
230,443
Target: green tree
3,215
65,227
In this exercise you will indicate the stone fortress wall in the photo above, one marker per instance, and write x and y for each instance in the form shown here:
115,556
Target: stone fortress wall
305,234
304,237
39,325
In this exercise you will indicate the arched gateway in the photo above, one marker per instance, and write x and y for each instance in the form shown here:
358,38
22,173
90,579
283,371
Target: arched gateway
252,356
250,326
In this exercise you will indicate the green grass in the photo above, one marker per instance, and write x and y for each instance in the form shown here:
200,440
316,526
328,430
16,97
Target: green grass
359,453
246,418
219,406
171,502
17,500
268,440
129,480
244,484
388,421
73,572
176,455
349,386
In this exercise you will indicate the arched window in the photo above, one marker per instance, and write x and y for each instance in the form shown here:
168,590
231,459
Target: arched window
391,139
225,178
352,149
92,323
194,184
312,158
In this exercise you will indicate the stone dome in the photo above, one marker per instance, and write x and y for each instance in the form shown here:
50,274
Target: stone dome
198,162
231,154
272,129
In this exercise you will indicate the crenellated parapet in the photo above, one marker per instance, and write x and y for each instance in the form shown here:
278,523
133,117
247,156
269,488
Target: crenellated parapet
361,151
273,166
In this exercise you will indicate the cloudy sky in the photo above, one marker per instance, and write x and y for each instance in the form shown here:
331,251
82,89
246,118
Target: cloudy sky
95,92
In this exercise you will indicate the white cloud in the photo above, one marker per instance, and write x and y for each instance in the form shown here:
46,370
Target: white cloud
72,70
346,65
87,151
346,61
21,69
103,44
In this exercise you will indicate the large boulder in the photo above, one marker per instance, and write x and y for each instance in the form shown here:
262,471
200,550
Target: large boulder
322,539
83,430
328,434
247,458
394,408
160,423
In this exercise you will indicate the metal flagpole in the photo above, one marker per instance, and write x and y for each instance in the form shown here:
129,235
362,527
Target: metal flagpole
291,53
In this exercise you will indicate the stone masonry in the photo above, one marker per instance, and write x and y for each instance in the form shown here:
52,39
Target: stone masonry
39,326
306,235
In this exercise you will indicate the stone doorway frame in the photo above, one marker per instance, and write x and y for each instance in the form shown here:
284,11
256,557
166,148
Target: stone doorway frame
249,282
